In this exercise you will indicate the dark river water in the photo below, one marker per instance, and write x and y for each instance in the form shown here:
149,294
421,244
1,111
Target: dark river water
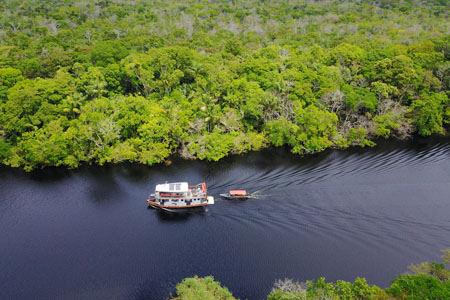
88,234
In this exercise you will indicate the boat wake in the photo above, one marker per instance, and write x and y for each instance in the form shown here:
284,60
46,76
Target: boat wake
369,198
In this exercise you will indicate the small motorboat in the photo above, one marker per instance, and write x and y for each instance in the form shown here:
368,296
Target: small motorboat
237,194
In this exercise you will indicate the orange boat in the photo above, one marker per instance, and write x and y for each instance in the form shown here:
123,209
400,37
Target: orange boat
237,194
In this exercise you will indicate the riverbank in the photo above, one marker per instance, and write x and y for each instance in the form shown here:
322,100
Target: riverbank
267,148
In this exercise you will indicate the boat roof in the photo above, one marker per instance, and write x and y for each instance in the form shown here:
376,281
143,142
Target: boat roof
238,192
179,187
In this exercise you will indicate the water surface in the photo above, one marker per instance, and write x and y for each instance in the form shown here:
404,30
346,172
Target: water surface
88,234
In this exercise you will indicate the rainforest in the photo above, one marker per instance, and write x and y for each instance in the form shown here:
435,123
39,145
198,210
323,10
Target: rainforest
111,81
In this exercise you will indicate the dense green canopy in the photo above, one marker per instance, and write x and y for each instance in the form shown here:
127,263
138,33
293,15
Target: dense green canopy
111,80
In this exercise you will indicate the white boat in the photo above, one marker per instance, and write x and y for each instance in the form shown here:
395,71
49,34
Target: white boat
179,195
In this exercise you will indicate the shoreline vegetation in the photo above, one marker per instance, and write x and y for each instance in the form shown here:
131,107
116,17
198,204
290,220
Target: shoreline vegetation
426,280
108,81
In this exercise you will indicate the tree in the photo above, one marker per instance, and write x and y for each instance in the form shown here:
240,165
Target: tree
8,78
98,128
140,73
316,130
428,113
280,132
154,142
211,146
108,52
202,288
5,151
92,84
398,72
245,96
320,289
346,55
437,270
233,46
357,97
52,60
418,287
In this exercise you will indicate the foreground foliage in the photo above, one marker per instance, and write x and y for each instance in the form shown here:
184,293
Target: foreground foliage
110,81
430,281
206,288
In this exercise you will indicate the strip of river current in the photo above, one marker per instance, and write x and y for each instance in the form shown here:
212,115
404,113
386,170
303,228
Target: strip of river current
88,234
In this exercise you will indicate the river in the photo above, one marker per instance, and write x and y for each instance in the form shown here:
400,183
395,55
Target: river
88,234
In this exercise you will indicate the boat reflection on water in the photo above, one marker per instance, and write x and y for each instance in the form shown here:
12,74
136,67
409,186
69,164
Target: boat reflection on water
179,215
180,211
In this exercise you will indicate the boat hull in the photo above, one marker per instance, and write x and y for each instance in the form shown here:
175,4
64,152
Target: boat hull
210,200
157,205
229,197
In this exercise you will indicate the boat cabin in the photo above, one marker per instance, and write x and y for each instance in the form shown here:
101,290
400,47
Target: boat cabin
179,191
171,189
